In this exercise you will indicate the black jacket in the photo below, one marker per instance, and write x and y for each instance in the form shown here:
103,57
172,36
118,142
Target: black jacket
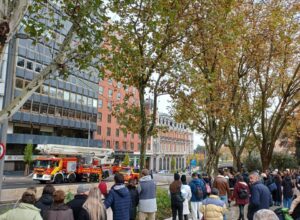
44,203
287,187
84,215
134,200
76,204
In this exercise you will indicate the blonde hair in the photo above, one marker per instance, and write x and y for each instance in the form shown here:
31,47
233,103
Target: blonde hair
94,206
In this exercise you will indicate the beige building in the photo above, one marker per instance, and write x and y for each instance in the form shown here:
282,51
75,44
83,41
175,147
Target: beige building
176,142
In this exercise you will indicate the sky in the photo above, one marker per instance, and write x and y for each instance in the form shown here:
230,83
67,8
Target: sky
164,105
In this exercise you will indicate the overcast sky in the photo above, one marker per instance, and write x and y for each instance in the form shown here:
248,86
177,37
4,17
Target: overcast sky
164,104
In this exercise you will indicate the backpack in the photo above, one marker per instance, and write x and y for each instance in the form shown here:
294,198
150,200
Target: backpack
199,192
243,194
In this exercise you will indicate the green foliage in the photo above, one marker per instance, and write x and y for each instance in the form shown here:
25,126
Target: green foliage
126,160
283,161
252,163
28,151
163,204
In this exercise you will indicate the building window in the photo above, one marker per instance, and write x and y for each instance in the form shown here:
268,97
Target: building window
108,118
100,103
79,99
71,114
84,100
131,146
139,146
110,82
27,106
44,109
100,90
118,96
29,65
95,103
36,107
119,85
109,105
99,116
66,96
60,94
124,145
149,146
72,97
110,93
117,132
38,68
19,83
45,90
51,110
107,144
90,102
99,130
117,145
21,62
108,132
52,92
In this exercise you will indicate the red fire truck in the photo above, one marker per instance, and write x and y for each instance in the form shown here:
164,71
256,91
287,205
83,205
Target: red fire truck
61,163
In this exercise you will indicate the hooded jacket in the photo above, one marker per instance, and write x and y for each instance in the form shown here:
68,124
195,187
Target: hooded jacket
120,202
147,192
287,187
44,203
24,211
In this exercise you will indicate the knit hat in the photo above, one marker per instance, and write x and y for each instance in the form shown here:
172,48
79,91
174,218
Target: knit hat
83,188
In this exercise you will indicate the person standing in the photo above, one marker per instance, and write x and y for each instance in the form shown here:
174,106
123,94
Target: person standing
79,199
93,208
46,200
241,194
25,209
198,192
187,195
147,193
277,193
119,199
134,195
176,197
59,210
261,197
288,186
221,183
213,207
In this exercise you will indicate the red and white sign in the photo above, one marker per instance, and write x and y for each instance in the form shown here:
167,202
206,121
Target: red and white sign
2,150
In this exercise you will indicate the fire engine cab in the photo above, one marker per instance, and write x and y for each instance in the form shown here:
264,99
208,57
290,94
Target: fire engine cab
62,163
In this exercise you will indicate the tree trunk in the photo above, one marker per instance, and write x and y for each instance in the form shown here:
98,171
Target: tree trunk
26,171
297,145
266,158
237,163
143,128
212,163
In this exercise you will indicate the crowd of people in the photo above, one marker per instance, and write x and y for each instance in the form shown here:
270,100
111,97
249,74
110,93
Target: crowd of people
210,198
201,198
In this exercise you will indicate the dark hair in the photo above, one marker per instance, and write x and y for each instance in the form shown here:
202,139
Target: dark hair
215,191
194,175
119,178
240,178
28,197
59,196
183,179
48,189
221,172
176,176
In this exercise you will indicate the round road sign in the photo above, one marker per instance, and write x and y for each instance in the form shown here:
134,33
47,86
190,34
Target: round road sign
2,150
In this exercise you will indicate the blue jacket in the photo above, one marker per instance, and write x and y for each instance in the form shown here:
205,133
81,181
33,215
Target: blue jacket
193,184
260,198
120,202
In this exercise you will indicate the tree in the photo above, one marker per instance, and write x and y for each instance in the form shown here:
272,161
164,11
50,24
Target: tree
79,48
210,88
143,43
126,160
11,14
173,164
28,158
276,77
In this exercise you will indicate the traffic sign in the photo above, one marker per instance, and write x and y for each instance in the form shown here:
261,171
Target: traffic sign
2,150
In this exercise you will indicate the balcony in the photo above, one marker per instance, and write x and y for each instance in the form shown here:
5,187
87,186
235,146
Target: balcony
44,139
